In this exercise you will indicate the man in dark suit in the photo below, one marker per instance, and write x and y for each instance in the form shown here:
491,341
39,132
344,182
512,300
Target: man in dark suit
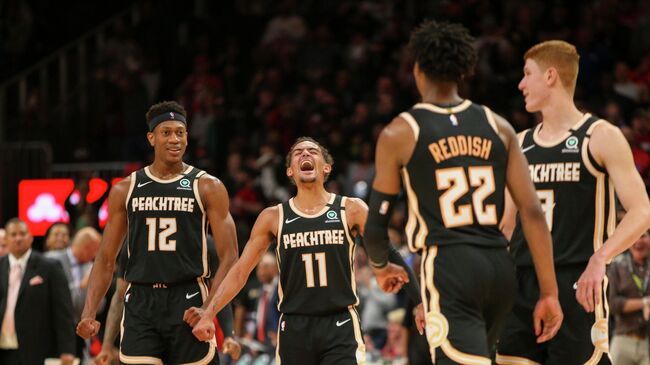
35,304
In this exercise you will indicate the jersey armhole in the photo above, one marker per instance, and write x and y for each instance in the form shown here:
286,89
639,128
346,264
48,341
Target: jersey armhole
279,234
197,194
131,186
587,157
412,123
490,118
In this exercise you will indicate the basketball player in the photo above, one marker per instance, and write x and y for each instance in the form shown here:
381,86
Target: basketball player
314,234
456,158
116,307
576,161
164,209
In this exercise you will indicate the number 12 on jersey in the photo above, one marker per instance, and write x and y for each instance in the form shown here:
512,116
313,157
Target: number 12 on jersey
307,258
168,226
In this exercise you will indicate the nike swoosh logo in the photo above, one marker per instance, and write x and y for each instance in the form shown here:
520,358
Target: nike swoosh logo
287,221
339,324
190,296
143,184
527,148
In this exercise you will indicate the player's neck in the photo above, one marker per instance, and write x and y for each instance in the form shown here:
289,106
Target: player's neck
560,114
166,171
441,93
311,198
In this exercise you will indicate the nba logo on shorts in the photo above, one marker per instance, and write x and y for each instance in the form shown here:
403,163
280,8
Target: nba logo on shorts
282,325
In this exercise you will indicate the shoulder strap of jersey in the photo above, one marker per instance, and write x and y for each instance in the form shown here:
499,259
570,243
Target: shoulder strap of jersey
586,130
336,203
526,138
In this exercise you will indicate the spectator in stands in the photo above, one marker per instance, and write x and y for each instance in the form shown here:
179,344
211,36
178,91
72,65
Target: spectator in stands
40,324
629,299
77,260
57,237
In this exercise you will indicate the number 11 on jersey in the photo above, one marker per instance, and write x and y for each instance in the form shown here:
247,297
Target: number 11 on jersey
307,258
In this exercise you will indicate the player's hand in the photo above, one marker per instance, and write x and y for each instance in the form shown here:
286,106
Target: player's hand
547,318
66,359
192,315
204,330
391,278
87,327
420,322
589,287
105,357
232,347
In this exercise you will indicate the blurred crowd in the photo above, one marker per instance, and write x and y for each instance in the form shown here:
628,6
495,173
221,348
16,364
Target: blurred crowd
254,75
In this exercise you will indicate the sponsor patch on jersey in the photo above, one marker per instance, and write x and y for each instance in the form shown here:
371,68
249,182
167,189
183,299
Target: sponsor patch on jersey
184,185
332,217
571,145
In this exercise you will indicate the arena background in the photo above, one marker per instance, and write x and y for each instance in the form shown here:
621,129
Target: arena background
77,77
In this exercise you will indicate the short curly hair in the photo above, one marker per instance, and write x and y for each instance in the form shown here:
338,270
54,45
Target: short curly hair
444,51
165,107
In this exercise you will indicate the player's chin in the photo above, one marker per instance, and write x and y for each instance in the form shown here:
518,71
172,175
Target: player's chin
307,179
532,108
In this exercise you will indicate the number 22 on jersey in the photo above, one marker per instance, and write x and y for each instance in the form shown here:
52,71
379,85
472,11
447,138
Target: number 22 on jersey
454,181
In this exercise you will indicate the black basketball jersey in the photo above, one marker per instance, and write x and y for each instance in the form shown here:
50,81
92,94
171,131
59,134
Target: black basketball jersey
315,257
455,178
167,226
575,193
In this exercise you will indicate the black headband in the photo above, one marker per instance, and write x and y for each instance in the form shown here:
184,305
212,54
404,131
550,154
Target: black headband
153,122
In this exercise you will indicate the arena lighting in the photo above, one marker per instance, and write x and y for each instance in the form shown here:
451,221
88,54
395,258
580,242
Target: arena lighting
42,202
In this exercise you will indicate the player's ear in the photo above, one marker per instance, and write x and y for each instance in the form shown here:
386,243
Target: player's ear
551,76
150,138
327,169
289,171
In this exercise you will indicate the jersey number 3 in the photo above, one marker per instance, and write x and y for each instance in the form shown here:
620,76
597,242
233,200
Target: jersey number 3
168,226
454,181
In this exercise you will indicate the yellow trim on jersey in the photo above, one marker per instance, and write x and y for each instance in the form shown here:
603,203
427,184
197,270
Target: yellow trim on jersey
414,210
436,109
514,360
361,346
490,117
195,187
167,181
560,139
277,258
412,123
208,357
611,222
203,287
352,247
521,136
437,325
131,186
277,346
204,246
140,359
126,206
315,215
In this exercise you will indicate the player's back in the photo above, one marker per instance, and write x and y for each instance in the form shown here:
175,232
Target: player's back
315,256
455,178
167,225
575,193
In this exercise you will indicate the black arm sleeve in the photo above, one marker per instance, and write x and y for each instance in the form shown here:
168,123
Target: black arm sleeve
375,237
225,319
412,288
